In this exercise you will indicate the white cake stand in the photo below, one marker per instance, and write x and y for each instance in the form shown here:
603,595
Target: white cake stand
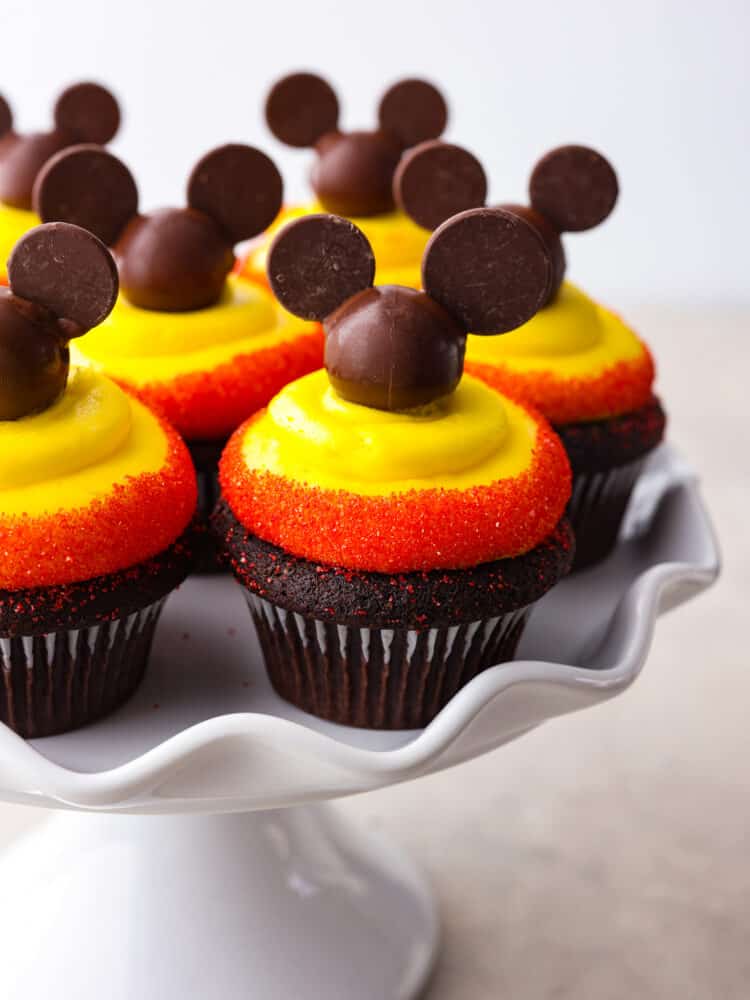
173,867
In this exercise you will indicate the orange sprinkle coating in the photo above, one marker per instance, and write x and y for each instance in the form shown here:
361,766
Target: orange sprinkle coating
619,389
137,520
416,530
208,406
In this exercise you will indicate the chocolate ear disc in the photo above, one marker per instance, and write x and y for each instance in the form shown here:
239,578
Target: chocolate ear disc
88,112
318,262
88,187
574,187
67,270
6,117
489,268
436,180
301,108
239,188
413,111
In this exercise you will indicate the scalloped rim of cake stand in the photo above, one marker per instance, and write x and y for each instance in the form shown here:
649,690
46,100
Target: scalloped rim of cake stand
250,761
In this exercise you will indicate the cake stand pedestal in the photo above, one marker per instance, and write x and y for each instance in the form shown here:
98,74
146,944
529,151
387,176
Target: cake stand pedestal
190,857
283,903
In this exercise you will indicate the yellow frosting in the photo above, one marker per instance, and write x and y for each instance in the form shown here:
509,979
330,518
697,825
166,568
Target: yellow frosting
397,242
472,437
574,336
140,346
14,222
93,437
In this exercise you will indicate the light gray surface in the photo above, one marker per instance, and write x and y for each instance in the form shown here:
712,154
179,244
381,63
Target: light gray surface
604,855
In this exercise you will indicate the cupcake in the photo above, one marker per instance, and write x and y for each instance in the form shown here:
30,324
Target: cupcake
198,344
576,361
353,172
96,497
392,523
84,112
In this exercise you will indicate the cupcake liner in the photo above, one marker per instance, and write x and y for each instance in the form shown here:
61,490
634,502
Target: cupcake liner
596,510
377,678
58,681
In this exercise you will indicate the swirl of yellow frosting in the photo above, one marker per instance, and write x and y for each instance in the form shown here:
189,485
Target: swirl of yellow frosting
472,437
92,438
396,241
14,222
574,336
139,346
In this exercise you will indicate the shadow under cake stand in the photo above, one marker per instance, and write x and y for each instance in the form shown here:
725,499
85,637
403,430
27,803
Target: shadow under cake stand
192,855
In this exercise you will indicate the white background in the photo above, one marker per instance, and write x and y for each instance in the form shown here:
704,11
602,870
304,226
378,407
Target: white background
660,86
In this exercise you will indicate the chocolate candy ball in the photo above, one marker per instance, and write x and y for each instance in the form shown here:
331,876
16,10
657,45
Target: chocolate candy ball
174,260
34,357
552,241
354,171
393,348
22,160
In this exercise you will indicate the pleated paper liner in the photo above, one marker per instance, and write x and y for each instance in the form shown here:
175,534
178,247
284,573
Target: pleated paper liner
596,510
57,682
377,678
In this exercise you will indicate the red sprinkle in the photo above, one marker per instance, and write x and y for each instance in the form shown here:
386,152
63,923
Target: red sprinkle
208,406
416,530
621,388
135,521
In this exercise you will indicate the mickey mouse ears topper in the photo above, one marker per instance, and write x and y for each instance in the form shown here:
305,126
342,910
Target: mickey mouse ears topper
393,348
354,170
176,259
63,282
572,188
436,180
85,112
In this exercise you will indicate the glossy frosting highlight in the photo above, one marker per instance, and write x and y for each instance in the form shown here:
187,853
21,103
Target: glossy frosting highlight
95,484
468,438
470,478
575,361
87,425
209,369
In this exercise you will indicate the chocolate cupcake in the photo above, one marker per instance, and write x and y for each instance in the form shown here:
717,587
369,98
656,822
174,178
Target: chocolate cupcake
84,112
196,343
575,361
97,496
392,523
353,172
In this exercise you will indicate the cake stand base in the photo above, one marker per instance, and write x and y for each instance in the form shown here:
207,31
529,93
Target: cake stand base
286,903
